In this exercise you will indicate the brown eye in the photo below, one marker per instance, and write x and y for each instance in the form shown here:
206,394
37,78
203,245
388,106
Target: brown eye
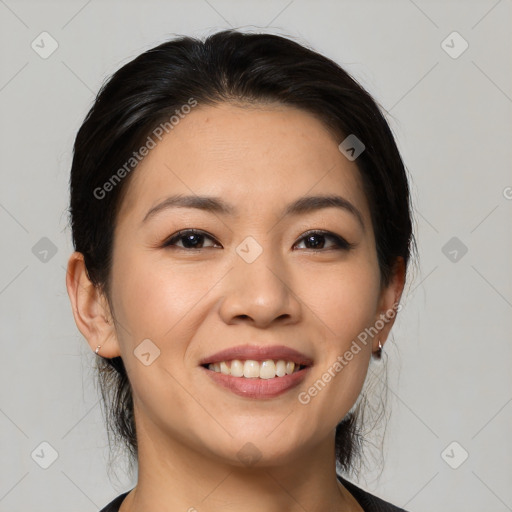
190,238
316,239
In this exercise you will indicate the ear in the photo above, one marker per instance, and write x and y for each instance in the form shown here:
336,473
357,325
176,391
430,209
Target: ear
389,303
90,309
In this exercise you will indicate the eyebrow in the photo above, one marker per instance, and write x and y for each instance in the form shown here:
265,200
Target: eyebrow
216,205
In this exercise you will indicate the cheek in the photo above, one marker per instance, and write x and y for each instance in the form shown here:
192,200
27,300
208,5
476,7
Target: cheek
345,312
163,305
155,299
345,300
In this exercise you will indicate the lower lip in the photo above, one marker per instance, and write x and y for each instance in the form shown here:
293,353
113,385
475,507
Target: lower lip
258,388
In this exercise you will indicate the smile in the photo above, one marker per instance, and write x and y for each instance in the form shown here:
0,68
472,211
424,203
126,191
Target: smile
257,371
251,369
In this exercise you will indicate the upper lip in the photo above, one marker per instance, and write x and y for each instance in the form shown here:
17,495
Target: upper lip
258,353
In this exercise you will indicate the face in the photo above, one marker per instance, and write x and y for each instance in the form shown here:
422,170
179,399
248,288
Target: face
258,280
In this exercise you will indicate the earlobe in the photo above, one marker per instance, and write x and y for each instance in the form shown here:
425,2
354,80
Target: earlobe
390,303
90,309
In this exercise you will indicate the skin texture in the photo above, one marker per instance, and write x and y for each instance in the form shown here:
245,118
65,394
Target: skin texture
193,302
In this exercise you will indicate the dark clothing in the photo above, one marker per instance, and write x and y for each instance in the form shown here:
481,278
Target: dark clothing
114,505
368,502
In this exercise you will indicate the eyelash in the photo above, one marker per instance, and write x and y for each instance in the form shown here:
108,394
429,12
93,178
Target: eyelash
339,243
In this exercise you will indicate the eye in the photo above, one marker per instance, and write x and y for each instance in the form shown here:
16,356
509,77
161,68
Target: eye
317,240
192,239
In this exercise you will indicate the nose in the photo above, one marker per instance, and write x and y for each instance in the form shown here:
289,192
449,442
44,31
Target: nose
260,293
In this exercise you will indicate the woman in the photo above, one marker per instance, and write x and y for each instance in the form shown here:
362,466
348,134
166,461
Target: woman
242,228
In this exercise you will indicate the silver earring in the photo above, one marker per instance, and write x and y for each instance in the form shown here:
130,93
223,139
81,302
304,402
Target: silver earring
99,346
378,354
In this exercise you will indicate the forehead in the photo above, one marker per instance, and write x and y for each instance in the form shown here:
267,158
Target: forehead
257,158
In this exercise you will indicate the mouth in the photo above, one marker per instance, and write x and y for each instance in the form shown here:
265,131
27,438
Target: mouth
252,369
257,372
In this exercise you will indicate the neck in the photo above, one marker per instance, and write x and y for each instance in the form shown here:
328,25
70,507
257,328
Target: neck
172,476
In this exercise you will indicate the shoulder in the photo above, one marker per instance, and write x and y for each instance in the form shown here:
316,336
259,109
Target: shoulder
114,505
369,502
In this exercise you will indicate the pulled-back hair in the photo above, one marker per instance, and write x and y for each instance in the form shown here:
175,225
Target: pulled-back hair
228,66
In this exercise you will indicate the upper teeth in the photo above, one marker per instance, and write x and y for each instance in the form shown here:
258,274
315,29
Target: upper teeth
253,369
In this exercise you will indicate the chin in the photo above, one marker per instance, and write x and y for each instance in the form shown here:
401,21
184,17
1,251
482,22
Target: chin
257,448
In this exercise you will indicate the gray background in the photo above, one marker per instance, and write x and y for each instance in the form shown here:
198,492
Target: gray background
450,378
